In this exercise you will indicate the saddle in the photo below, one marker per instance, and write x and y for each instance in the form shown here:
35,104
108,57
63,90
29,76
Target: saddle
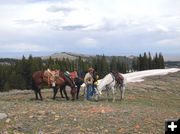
118,77
51,76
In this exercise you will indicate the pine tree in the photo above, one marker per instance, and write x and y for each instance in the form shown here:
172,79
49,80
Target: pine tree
135,64
150,66
113,64
156,61
161,61
145,62
7,86
104,65
141,66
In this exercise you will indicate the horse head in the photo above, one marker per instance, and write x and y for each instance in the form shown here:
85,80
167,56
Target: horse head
69,82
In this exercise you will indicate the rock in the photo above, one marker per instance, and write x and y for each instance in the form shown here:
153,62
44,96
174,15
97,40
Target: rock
31,116
102,111
41,112
5,132
8,120
39,118
106,131
57,117
88,129
75,119
3,116
24,112
53,112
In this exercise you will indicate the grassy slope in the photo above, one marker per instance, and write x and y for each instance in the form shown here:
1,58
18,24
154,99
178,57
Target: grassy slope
144,110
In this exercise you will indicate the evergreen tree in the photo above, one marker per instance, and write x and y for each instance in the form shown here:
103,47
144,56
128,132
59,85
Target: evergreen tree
141,66
145,64
156,61
113,64
161,61
104,66
150,65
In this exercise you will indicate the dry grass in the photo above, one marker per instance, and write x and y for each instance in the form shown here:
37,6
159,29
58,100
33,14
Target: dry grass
144,110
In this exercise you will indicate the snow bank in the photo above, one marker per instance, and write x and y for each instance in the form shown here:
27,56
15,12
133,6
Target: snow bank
138,76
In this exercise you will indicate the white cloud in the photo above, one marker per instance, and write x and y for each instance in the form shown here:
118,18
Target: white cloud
88,42
22,47
158,28
54,8
170,42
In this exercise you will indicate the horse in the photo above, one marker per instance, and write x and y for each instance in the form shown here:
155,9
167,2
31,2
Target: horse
76,79
68,82
78,82
38,78
109,83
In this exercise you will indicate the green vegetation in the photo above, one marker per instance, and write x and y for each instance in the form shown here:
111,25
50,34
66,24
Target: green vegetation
148,62
16,74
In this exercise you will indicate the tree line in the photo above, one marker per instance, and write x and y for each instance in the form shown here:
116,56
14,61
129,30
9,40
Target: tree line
17,74
146,62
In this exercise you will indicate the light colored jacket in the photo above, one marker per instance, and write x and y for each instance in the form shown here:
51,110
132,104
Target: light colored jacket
88,79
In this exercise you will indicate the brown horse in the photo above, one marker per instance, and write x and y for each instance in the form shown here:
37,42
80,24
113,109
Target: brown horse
38,78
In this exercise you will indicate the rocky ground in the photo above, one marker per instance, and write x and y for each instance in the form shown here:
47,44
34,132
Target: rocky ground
143,111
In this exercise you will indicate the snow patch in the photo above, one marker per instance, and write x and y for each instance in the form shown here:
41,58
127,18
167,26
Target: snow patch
138,76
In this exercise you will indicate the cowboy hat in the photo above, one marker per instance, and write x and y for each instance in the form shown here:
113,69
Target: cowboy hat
90,69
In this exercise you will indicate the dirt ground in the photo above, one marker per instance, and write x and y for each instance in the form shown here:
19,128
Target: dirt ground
143,111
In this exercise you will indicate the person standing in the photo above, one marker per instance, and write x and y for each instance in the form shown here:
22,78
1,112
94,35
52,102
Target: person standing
88,80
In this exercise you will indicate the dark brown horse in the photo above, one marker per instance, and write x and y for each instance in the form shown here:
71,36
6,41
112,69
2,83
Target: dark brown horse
38,78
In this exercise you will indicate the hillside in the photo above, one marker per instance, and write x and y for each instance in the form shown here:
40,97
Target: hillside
144,110
73,56
70,56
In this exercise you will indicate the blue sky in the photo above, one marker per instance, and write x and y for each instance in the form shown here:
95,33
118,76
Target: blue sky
110,27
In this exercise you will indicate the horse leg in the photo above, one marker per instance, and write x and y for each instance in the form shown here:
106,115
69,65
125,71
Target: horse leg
113,91
55,89
40,94
122,92
35,88
107,95
77,96
64,90
61,89
96,94
36,94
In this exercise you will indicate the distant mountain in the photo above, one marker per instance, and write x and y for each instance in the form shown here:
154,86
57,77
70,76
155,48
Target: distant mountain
73,56
69,55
